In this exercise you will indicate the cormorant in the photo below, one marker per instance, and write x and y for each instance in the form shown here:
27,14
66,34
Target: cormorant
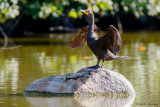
104,48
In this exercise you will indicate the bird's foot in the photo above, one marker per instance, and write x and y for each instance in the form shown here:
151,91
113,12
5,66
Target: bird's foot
96,66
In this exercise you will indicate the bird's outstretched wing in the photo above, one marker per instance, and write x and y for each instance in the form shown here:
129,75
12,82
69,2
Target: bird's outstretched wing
81,39
111,40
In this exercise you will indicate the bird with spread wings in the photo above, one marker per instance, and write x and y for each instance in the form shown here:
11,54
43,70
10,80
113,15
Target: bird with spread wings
105,48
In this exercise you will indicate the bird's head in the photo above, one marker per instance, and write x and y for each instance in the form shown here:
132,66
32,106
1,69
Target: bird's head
87,12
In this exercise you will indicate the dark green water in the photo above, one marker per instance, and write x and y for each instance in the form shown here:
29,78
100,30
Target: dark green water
47,55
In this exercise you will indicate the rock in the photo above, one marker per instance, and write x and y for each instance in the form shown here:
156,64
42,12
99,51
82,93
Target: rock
87,81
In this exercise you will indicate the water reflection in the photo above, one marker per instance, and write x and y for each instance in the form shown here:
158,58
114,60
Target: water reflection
9,72
101,101
43,57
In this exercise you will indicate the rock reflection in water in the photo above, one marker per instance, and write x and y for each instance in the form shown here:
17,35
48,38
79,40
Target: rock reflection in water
52,102
96,101
103,101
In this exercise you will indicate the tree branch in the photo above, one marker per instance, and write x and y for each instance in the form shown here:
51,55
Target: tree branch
5,37
119,23
16,22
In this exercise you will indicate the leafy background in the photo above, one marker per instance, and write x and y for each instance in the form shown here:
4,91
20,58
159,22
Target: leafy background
64,12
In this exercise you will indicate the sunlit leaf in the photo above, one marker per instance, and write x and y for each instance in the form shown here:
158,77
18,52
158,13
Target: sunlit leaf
73,14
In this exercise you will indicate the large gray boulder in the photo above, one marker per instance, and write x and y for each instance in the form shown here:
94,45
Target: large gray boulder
87,81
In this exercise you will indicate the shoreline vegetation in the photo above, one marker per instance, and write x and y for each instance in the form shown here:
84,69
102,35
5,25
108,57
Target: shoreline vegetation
48,16
129,24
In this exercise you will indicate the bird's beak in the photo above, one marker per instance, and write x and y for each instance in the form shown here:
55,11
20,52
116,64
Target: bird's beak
84,11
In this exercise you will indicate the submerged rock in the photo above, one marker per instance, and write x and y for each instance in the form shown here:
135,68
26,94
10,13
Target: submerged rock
87,81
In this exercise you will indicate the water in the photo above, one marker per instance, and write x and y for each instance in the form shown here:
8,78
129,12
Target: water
47,55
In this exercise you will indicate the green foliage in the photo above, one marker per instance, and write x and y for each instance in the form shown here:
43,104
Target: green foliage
141,7
50,8
8,9
56,8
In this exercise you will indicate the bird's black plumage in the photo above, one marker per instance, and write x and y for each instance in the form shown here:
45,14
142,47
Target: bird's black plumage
105,48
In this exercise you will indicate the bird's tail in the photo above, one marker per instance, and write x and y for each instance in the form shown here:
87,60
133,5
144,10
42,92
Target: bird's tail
122,57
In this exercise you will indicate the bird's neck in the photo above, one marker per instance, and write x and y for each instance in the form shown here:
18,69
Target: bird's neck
91,23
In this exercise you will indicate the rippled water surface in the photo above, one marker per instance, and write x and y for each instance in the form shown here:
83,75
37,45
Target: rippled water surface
47,55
